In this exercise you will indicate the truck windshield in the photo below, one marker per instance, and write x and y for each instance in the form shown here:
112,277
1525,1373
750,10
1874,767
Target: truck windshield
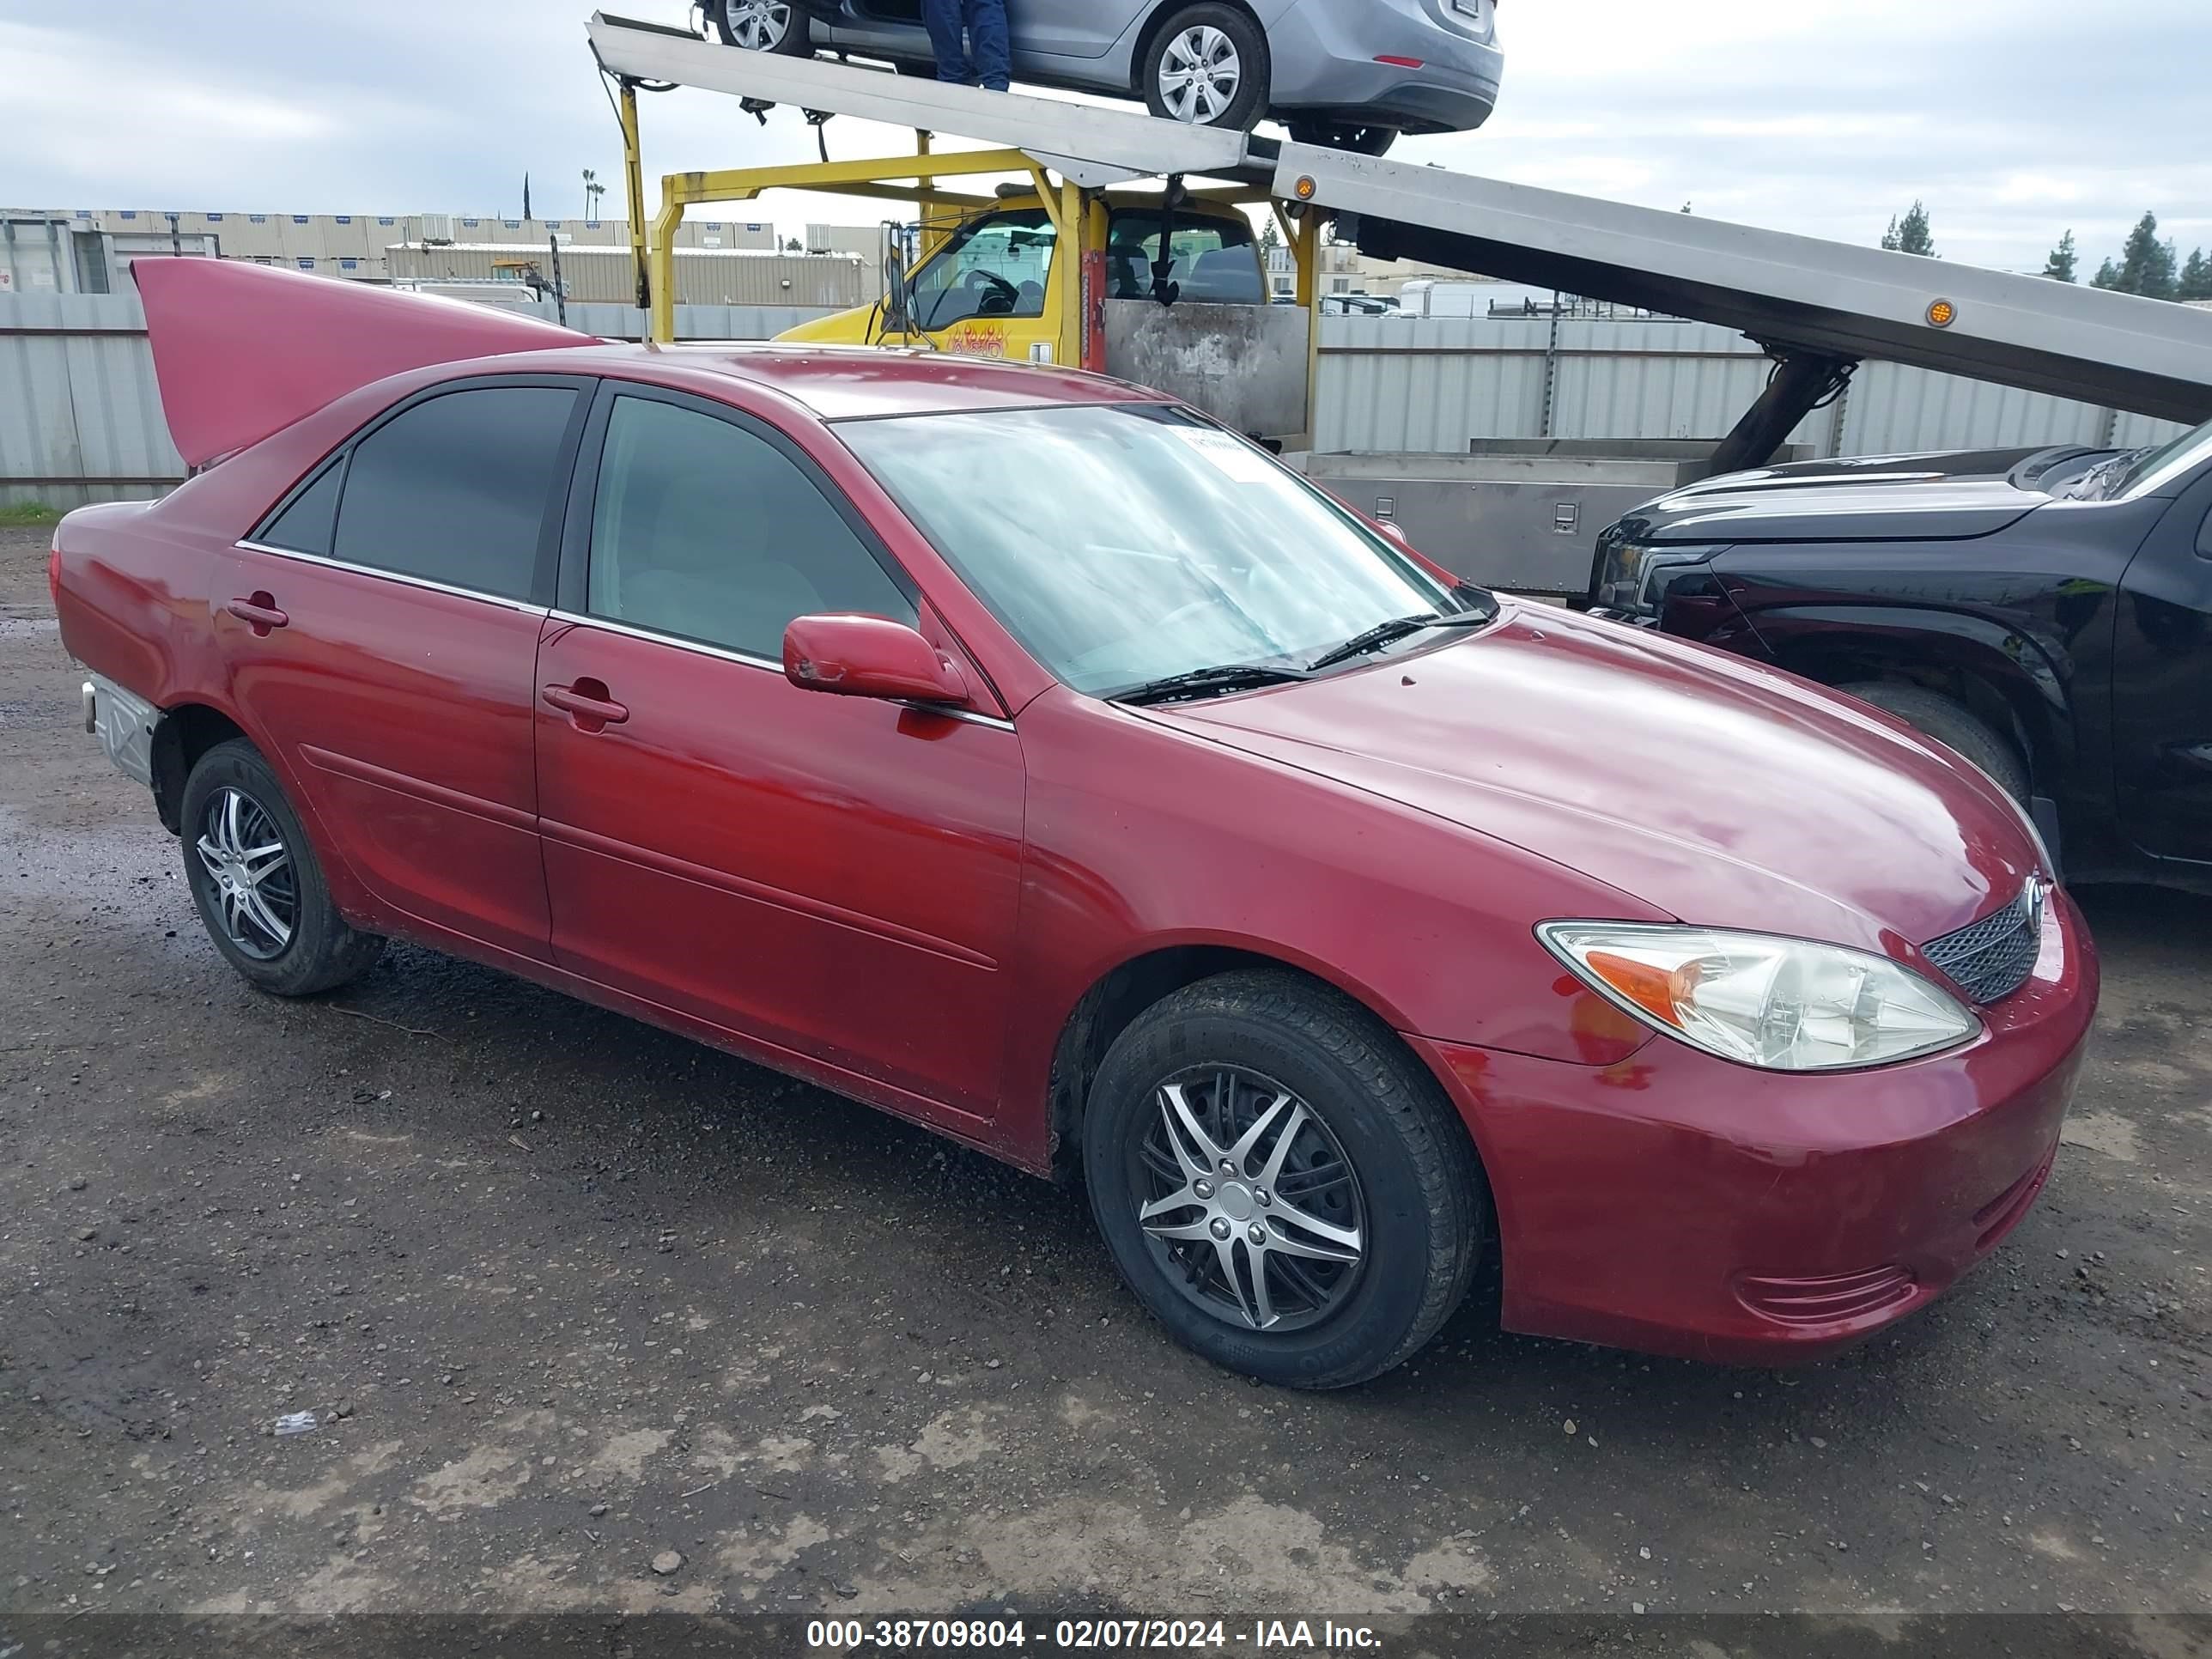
1124,544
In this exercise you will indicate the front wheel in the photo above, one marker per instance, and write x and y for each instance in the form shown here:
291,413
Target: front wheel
1280,1182
762,26
1343,135
1951,723
255,882
1207,66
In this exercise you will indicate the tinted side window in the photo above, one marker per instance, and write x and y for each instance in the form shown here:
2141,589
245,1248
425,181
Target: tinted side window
305,527
702,529
456,490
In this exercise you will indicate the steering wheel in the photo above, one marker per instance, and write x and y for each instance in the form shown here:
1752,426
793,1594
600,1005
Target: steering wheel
989,286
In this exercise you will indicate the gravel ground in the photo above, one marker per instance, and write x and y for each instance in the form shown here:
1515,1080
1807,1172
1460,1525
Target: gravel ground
570,1294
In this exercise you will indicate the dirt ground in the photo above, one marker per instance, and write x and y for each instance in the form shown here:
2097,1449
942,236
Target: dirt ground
571,1293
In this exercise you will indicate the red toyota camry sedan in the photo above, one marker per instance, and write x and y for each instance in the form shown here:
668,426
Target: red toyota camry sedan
1024,754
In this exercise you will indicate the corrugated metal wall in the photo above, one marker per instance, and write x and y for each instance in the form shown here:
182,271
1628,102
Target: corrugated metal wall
80,418
1431,385
703,276
81,414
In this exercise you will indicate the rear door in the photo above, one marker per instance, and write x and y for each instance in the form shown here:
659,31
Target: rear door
381,632
834,878
2163,684
1069,28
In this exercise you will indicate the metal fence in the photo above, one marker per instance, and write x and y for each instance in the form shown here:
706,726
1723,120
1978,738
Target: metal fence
1390,385
81,415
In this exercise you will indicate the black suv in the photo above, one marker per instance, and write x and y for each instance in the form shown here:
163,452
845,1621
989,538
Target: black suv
2046,613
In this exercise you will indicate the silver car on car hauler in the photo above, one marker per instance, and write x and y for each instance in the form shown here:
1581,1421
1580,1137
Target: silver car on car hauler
1350,76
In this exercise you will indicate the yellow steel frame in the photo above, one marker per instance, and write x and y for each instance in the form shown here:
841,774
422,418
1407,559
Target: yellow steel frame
916,179
876,177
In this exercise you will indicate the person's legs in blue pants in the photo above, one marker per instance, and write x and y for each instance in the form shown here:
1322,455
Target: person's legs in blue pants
948,38
958,27
993,53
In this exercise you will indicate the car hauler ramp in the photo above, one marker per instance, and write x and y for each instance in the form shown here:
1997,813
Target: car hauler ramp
1802,297
1820,308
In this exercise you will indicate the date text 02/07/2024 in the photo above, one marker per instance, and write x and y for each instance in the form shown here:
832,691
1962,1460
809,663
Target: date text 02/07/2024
1076,1635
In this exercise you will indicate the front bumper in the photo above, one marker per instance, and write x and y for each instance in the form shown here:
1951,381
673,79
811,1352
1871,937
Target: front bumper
1680,1204
1325,61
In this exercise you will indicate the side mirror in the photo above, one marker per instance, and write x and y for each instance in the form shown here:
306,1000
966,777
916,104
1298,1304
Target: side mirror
850,656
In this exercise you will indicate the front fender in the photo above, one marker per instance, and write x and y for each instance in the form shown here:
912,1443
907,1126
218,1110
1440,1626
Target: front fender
1840,643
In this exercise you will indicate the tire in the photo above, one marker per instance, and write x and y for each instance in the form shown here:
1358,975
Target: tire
1208,43
1406,1191
780,27
1342,135
1935,715
233,801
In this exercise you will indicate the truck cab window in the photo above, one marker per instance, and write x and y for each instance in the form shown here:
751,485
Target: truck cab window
1216,261
998,265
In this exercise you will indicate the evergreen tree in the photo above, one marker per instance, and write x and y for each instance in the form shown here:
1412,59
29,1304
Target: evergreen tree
2060,266
1909,234
2108,275
1270,237
2146,263
2196,278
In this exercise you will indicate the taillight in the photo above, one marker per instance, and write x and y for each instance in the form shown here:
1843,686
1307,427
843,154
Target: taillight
54,575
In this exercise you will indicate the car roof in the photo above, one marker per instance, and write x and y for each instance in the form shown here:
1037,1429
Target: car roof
847,383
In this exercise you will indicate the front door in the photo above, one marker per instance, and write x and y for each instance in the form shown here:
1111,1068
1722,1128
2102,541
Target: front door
381,635
831,879
2163,684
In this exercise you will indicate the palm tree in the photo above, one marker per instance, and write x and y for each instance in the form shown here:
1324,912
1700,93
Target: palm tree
592,191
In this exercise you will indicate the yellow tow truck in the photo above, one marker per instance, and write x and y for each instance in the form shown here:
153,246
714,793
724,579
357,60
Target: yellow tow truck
1026,252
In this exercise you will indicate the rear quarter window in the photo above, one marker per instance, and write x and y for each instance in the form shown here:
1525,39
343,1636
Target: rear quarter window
305,525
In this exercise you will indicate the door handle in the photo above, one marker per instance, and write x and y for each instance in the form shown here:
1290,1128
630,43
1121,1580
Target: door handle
260,611
587,703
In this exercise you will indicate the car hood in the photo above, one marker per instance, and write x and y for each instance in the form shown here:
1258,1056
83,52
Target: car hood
1722,792
1942,497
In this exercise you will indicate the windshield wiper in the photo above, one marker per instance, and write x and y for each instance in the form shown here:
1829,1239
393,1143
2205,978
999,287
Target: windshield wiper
1398,628
1206,682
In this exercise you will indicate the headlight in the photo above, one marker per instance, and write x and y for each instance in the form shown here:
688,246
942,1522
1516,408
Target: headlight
1622,578
1784,1005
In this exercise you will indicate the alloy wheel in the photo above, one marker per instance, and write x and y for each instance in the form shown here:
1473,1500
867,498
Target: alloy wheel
1200,73
1249,1202
255,889
757,25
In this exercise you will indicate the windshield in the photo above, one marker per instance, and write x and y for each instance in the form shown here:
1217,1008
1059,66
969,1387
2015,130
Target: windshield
2150,470
1124,544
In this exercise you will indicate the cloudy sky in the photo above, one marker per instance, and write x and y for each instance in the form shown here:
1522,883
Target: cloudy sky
2015,119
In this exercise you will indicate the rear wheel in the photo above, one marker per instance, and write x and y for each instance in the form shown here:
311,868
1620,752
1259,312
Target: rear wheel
762,26
1279,1183
255,882
1345,134
1953,724
1209,67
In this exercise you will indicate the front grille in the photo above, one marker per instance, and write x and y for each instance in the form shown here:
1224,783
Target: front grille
1991,958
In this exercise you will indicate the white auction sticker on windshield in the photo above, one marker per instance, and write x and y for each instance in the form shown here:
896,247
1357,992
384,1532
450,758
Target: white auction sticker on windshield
1232,455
